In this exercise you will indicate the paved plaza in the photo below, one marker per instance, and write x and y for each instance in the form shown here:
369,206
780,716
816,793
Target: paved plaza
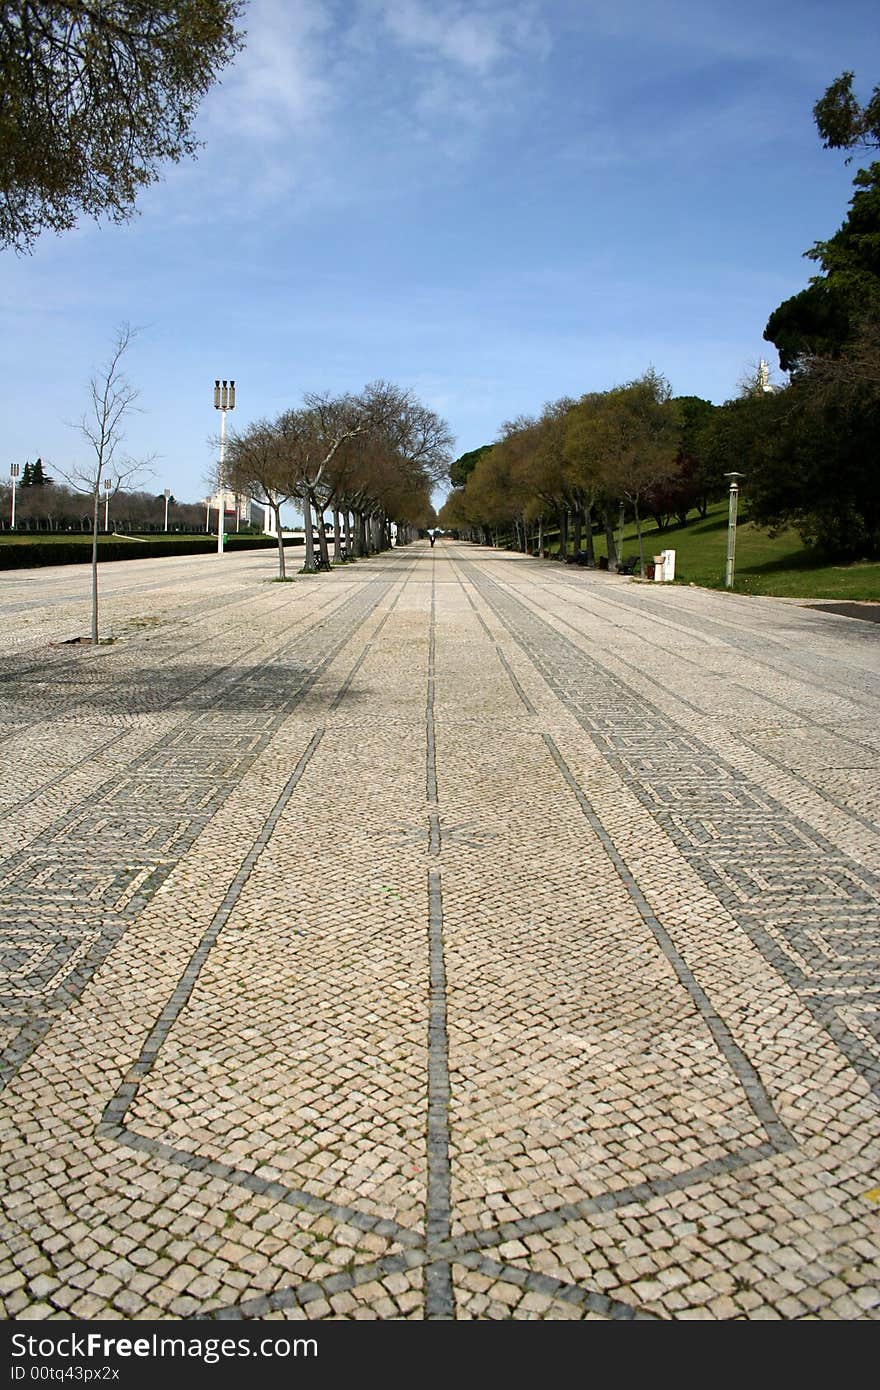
453,936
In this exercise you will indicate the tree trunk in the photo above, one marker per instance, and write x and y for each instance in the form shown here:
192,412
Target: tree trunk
309,562
588,532
541,537
609,537
563,533
577,532
97,506
639,534
324,562
276,508
337,538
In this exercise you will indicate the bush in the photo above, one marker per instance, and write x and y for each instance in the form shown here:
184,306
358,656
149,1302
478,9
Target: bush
30,554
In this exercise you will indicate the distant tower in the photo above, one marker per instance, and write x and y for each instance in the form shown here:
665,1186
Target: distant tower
763,378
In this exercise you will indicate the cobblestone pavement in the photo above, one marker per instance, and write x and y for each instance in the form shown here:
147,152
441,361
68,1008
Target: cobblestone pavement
451,936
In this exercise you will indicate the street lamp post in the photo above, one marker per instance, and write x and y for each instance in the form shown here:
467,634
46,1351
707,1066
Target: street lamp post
224,399
207,515
166,494
13,477
108,483
731,526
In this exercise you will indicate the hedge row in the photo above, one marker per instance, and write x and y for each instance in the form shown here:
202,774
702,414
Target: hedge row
33,553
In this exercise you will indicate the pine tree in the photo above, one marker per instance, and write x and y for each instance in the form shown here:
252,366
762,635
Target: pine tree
27,476
38,477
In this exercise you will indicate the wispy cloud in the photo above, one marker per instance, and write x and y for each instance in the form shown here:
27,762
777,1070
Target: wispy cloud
466,37
331,106
280,86
477,38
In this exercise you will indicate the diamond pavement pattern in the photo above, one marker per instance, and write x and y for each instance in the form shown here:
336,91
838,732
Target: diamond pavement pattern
397,944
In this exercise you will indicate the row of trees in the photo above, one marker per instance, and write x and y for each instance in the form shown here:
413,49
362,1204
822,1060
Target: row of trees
580,464
808,450
371,460
55,506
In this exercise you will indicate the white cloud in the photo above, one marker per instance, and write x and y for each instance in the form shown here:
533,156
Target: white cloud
280,86
328,103
472,40
475,38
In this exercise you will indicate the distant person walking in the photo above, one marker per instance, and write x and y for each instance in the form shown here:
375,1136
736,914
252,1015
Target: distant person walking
431,538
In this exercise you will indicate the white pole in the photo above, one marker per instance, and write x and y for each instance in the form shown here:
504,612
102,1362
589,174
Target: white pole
207,515
106,503
220,502
167,497
731,527
13,473
224,399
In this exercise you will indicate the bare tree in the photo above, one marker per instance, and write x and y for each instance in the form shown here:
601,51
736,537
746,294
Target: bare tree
256,464
111,398
310,438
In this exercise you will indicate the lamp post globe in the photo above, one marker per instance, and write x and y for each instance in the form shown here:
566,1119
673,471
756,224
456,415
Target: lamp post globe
731,527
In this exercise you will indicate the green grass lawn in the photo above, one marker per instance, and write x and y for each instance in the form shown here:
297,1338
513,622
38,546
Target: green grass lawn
782,566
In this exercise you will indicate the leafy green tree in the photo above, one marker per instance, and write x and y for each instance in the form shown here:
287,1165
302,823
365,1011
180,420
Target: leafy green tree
813,448
634,434
821,319
553,479
842,122
462,467
727,441
587,479
695,484
815,454
94,96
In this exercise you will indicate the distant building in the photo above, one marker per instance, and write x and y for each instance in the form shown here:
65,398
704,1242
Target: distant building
262,517
763,383
236,509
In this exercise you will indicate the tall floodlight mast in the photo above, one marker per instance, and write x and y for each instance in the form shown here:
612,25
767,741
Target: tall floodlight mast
224,399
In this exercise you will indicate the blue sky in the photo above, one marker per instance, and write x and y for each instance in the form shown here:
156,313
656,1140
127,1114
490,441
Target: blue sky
493,203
